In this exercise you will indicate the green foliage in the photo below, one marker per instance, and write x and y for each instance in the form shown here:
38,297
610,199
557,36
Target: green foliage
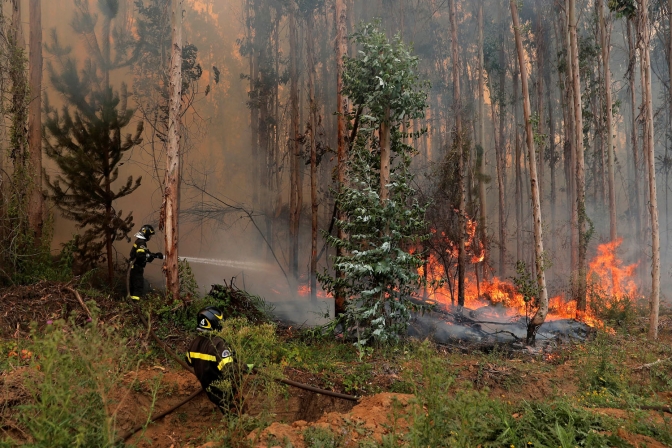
316,437
188,283
255,345
471,418
85,141
379,271
71,382
526,285
623,8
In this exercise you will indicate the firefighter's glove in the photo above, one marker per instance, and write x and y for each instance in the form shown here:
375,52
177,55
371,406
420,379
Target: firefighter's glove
158,255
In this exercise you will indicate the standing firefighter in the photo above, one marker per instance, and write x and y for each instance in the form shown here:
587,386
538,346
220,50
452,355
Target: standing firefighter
140,256
212,359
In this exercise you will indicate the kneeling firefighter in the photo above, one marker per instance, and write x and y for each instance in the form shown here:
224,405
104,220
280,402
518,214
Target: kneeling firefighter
212,359
140,256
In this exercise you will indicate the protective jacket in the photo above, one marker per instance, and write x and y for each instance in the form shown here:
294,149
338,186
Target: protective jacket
212,361
140,256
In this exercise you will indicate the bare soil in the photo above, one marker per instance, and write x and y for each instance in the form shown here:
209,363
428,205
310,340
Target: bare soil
373,418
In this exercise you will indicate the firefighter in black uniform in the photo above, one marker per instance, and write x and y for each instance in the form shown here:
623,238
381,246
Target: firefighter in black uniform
212,359
140,256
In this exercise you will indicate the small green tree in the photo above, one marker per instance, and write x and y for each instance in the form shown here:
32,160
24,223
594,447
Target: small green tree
86,139
383,219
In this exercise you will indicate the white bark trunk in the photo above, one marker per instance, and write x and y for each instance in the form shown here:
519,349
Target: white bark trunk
540,315
650,159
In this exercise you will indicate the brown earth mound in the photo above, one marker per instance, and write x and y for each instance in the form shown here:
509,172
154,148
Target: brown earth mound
372,418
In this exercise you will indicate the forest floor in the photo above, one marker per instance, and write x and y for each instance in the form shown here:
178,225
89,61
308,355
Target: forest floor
585,393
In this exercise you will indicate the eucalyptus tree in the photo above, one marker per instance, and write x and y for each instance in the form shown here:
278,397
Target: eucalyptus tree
542,300
381,217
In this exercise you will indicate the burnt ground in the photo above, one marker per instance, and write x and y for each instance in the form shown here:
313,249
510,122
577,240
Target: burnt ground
508,375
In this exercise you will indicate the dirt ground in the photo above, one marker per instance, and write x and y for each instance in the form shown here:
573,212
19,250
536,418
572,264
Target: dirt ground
191,423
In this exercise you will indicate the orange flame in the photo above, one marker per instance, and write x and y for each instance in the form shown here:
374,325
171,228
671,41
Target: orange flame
606,276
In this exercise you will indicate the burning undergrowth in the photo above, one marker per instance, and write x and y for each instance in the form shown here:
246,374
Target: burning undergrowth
497,310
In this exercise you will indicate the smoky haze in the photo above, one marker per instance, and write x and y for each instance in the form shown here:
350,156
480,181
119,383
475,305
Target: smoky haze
234,198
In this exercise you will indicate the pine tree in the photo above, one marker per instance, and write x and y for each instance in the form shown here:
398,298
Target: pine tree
86,141
382,219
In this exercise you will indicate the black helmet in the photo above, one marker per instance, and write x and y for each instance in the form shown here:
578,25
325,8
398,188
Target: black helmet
145,232
209,319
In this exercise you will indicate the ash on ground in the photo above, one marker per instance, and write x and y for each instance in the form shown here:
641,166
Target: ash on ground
491,324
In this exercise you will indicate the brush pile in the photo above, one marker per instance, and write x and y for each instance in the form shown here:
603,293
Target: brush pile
235,302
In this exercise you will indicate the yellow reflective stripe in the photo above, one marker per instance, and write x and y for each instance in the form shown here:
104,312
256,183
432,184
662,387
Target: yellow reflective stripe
188,357
224,362
139,250
202,356
135,298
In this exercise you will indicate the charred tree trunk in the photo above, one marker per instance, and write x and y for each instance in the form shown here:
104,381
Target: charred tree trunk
342,109
172,178
540,315
310,49
295,153
650,160
461,256
481,140
580,163
35,204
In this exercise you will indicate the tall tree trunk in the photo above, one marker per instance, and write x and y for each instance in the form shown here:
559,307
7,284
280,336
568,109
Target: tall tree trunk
569,147
540,315
342,109
667,172
552,153
35,205
481,140
518,172
501,160
457,107
645,37
295,153
310,49
172,178
254,104
632,60
580,163
540,51
605,38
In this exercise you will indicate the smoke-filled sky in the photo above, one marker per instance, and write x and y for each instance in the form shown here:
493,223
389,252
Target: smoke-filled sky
220,156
